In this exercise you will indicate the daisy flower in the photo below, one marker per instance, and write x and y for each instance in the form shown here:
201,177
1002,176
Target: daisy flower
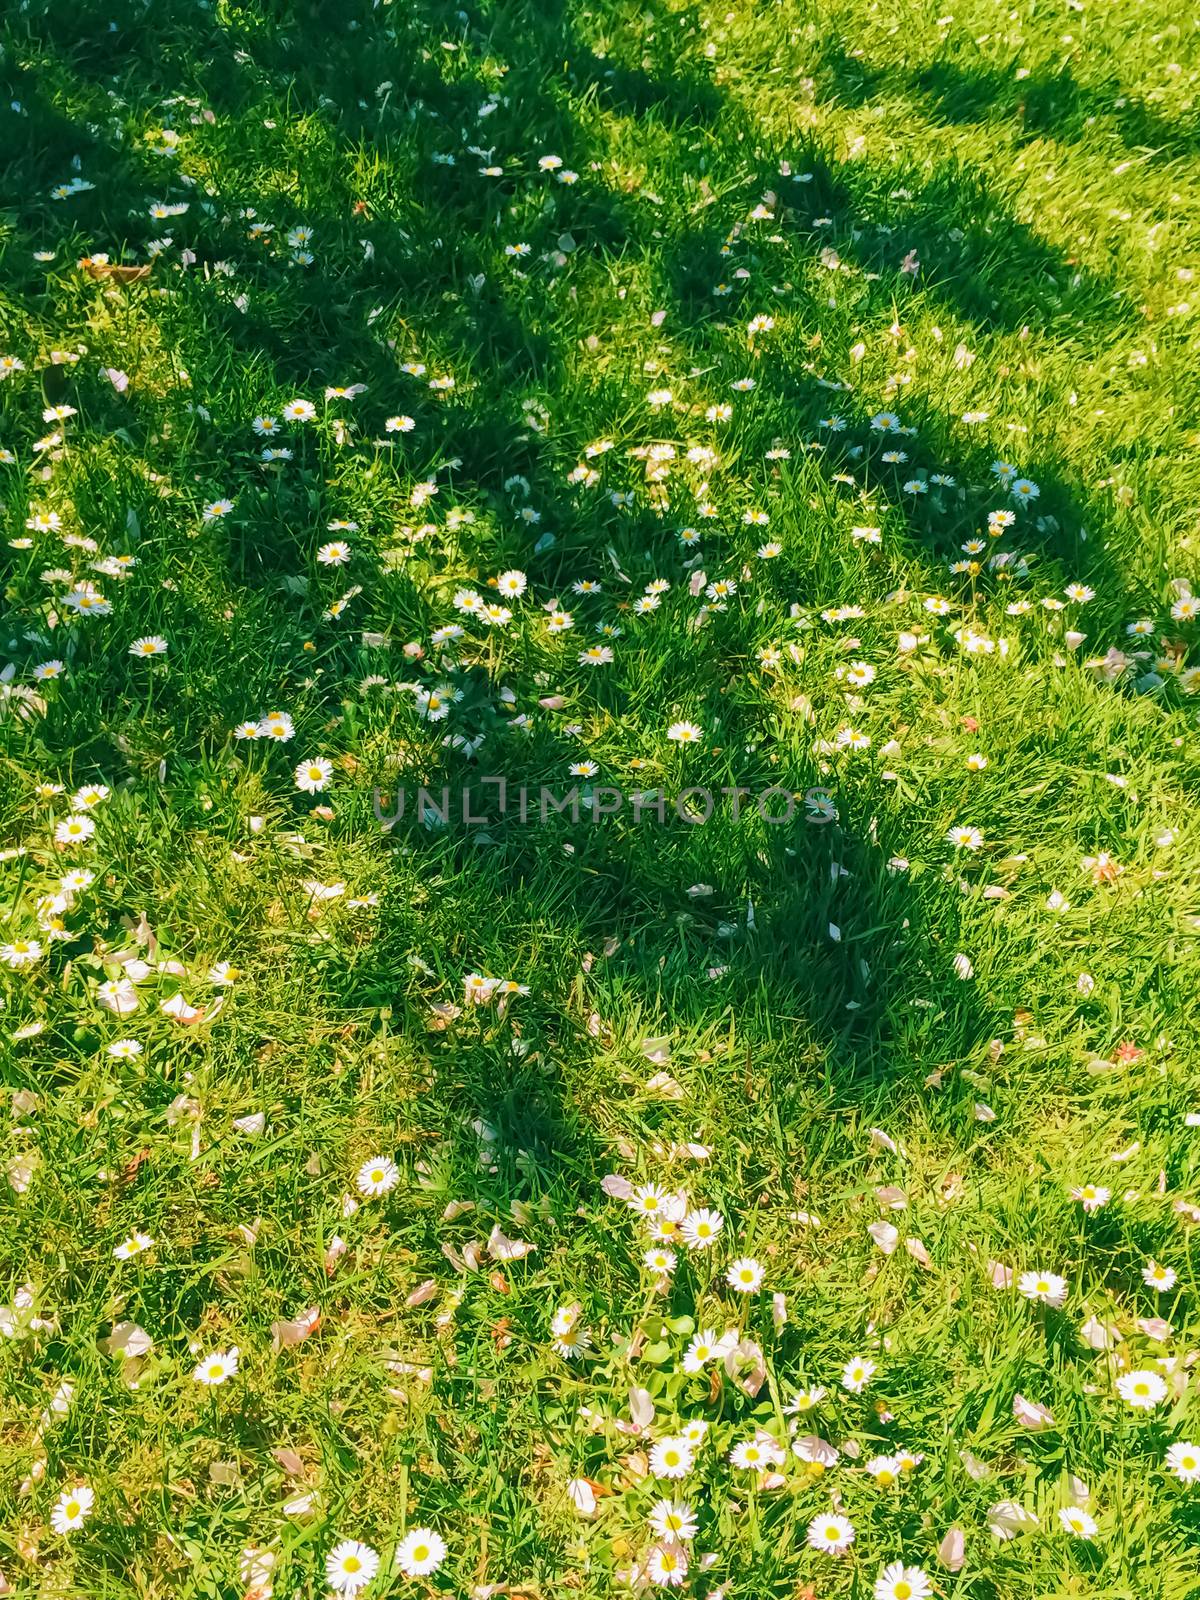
1074,1519
277,725
20,953
136,1242
884,1469
1046,1287
1157,1277
74,830
216,1368
1183,1459
72,1509
756,1455
667,1565
745,1275
701,1351
898,1582
377,1177
312,776
1091,1197
420,1552
350,1566
568,1336
965,838
671,1458
857,1374
1142,1390
700,1229
659,1260
673,1520
831,1534
648,1199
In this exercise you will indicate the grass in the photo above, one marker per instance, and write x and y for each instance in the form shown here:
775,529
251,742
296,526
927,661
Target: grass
890,1062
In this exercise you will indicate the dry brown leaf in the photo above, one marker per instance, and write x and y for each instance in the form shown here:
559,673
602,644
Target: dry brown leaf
286,1334
1002,1277
952,1551
289,1461
641,1407
130,1170
502,1248
110,271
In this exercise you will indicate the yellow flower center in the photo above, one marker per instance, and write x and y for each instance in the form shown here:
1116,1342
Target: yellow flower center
421,1552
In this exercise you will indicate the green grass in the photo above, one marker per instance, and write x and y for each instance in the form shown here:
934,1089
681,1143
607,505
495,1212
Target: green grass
984,224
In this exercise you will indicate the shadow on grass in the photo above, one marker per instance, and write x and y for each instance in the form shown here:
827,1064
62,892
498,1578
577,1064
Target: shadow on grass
841,995
817,969
1040,104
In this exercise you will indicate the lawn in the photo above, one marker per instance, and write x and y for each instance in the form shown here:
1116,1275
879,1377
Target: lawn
598,772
